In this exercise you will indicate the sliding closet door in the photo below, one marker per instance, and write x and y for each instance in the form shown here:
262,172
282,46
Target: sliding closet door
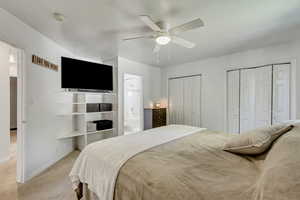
247,104
255,100
263,96
281,93
185,101
176,101
233,101
192,101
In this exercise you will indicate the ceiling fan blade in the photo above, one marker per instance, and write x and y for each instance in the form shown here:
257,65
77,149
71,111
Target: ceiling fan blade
183,42
149,22
137,37
197,23
156,48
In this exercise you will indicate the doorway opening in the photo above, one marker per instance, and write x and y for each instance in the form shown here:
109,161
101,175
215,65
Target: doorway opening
133,104
13,83
11,154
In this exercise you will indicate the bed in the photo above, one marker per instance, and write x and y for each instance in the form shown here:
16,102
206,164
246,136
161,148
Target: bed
187,164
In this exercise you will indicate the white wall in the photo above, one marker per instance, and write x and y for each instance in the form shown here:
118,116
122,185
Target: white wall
213,72
151,83
4,103
41,89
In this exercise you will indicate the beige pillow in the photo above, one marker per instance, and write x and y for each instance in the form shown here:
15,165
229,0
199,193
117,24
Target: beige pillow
256,141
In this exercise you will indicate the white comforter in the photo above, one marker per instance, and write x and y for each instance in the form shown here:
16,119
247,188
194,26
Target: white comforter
98,164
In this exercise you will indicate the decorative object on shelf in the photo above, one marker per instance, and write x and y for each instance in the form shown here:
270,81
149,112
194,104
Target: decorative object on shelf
103,124
157,105
151,105
91,127
44,63
155,117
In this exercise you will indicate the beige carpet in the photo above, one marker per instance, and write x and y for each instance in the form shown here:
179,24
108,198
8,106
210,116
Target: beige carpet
53,184
8,186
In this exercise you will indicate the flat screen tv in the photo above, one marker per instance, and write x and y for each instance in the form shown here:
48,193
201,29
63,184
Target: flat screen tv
83,75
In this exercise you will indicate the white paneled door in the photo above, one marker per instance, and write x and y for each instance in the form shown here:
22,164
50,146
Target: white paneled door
176,101
263,96
247,97
256,90
185,101
233,101
192,100
281,93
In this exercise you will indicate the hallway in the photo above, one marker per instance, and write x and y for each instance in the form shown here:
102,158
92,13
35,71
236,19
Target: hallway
8,185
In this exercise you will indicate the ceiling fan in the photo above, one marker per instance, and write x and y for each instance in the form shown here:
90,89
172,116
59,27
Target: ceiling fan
164,36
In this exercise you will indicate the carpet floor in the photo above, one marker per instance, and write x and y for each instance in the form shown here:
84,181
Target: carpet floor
53,184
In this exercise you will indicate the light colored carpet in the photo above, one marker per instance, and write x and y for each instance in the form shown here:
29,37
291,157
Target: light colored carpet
8,186
53,184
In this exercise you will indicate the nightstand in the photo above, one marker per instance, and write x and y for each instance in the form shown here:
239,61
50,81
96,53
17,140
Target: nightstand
155,117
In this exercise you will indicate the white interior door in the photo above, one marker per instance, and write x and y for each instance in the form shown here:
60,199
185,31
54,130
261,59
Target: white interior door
4,102
133,104
233,101
176,101
281,93
255,99
192,100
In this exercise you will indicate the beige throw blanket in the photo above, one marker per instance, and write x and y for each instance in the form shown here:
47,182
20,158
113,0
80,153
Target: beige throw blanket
196,168
99,163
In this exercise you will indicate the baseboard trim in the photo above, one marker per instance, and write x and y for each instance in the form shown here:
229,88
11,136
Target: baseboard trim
45,167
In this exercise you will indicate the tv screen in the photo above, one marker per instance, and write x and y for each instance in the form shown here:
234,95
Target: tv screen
78,74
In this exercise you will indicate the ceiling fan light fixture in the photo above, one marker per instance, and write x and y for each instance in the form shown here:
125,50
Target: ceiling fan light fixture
163,40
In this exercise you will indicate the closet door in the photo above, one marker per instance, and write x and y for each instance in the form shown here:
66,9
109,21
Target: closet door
263,96
247,98
233,101
256,94
176,101
192,100
281,93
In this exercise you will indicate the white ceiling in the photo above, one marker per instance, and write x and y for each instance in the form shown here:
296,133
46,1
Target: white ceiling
95,28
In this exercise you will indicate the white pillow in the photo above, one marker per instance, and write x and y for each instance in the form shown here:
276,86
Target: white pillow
256,141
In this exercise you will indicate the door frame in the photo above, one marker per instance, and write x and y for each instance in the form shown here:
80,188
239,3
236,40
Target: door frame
21,115
141,99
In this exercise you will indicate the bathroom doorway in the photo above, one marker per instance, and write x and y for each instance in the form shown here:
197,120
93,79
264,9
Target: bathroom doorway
133,104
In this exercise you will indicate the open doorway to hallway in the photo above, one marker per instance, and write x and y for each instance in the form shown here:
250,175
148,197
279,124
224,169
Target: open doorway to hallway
13,88
133,104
